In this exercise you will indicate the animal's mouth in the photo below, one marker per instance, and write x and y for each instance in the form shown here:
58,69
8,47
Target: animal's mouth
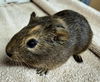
14,58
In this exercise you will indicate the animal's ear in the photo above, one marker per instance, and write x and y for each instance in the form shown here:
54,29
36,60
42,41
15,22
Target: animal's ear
61,34
33,15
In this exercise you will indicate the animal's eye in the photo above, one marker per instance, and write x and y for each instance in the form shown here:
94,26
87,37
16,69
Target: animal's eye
32,43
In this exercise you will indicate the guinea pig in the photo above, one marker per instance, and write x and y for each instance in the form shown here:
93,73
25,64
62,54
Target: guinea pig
47,42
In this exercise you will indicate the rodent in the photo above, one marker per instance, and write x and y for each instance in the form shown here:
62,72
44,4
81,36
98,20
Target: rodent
47,42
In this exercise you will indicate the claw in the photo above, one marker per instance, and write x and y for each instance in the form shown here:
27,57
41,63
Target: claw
78,58
42,71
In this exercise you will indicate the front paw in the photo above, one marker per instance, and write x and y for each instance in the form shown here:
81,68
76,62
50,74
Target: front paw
41,71
78,58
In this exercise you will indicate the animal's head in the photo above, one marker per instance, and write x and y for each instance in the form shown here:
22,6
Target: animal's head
43,38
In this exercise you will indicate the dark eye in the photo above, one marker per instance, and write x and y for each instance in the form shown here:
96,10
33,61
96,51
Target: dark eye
56,38
32,43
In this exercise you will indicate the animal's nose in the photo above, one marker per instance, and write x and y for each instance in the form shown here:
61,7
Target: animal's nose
9,54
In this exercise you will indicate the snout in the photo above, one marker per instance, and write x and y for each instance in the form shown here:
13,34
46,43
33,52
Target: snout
8,51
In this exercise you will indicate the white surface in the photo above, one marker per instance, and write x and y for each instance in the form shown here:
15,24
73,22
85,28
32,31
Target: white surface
15,16
2,2
19,1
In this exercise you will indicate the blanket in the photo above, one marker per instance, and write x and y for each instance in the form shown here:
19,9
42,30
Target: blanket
13,17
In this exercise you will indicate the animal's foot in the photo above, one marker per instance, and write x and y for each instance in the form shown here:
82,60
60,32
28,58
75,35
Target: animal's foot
78,58
42,71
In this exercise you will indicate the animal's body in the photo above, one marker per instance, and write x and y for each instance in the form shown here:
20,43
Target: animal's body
48,42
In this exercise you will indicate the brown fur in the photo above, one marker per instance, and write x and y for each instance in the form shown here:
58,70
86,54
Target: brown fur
59,36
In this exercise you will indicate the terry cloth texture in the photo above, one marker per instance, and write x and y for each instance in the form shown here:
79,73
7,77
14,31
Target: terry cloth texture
14,17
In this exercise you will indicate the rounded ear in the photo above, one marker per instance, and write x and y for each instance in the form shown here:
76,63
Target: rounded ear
33,15
61,34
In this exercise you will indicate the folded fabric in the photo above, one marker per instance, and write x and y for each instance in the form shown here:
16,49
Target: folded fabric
14,17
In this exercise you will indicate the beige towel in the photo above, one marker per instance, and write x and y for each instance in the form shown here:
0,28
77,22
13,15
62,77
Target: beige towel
15,16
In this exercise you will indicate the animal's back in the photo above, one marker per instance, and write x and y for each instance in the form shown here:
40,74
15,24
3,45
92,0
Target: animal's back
79,30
